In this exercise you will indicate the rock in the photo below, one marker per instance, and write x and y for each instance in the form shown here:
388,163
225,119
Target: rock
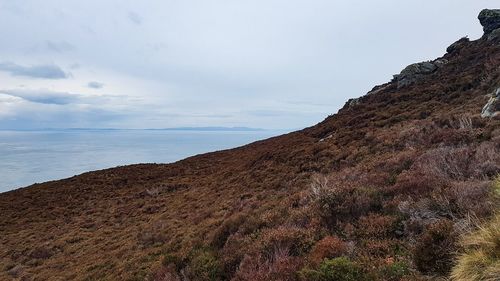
378,89
351,102
492,108
489,19
414,72
325,138
462,42
440,62
494,35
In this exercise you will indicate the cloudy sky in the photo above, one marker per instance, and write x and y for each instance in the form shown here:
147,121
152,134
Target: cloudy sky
260,63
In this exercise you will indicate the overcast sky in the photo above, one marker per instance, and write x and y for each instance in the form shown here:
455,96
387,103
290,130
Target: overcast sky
260,63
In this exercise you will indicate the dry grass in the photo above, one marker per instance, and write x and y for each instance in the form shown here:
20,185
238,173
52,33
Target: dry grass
481,260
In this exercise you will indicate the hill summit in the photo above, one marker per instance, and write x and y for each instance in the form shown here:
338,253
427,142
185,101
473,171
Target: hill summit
389,188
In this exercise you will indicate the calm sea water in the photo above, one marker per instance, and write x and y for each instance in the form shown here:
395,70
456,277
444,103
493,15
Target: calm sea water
36,156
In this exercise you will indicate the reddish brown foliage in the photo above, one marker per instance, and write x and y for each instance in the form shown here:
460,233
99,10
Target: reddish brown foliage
435,248
280,267
328,247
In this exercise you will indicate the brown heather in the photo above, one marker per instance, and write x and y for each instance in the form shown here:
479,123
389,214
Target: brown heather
382,190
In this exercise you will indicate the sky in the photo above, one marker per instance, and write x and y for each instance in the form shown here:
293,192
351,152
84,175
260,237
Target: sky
273,64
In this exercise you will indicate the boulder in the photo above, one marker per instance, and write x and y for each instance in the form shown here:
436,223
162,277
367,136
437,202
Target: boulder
490,20
415,72
351,102
492,108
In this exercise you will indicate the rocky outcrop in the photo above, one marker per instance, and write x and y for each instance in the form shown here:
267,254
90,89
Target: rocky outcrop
458,45
494,35
490,20
492,108
415,72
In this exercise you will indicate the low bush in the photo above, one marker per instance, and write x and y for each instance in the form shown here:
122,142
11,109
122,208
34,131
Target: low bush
337,269
297,240
280,267
374,225
377,248
464,198
227,228
328,247
340,199
395,271
435,248
203,266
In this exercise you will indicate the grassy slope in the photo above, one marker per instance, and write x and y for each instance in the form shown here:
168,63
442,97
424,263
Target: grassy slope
116,224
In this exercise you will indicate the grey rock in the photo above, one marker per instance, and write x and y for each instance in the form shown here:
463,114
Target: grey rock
492,108
489,19
440,62
462,42
415,72
378,89
494,35
351,102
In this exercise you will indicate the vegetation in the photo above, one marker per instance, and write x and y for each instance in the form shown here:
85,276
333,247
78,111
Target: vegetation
337,269
481,258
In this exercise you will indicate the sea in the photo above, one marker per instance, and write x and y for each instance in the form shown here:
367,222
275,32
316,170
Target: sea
28,157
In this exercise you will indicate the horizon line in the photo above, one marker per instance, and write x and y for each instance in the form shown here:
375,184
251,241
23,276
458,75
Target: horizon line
204,128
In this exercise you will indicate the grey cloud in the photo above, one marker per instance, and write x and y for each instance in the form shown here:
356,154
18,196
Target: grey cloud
48,71
60,47
44,96
135,18
95,85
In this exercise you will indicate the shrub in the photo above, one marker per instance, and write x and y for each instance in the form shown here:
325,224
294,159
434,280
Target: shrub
434,169
204,266
328,247
165,273
337,269
237,245
464,198
173,260
297,240
486,160
340,199
227,228
434,250
395,271
481,260
374,225
377,248
280,267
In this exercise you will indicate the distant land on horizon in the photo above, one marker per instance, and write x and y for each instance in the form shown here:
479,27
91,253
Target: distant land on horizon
215,128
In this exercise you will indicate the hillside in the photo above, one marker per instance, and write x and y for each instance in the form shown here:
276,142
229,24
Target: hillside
382,190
